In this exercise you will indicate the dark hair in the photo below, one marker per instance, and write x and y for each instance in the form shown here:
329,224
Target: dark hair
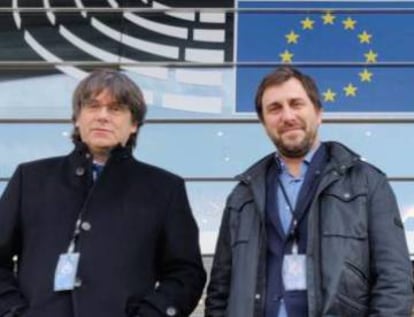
282,75
120,87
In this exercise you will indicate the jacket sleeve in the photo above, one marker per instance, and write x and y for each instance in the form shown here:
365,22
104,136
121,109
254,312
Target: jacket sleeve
218,289
392,292
182,276
10,297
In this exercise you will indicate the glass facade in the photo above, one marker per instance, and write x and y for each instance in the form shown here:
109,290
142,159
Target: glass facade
198,69
198,64
209,155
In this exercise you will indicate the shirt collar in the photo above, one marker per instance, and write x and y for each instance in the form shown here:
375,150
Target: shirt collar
306,160
309,156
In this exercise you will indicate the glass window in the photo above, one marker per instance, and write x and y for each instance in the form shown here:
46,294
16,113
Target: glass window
26,142
207,200
211,150
3,185
404,193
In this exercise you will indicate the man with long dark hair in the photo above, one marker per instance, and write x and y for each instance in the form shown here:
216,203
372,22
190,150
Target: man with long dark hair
98,233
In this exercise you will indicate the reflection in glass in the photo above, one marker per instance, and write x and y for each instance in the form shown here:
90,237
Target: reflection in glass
404,193
2,187
211,149
207,200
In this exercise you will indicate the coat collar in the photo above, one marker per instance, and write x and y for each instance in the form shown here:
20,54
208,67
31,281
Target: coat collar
118,152
257,171
255,178
80,161
340,159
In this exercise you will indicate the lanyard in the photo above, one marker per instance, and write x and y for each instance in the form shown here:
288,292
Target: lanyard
294,232
78,223
75,234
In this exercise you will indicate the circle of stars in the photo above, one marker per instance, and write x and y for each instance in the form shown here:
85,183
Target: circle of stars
349,25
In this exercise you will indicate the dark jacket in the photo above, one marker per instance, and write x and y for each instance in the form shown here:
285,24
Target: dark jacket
357,256
139,252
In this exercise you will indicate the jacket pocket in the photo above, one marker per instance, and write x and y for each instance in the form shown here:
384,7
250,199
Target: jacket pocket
344,213
241,222
350,308
358,273
353,288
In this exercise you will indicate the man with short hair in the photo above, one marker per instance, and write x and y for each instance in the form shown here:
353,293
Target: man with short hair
98,233
310,230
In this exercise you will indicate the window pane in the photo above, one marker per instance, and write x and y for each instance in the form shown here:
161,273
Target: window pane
3,185
26,142
214,149
207,200
404,192
225,150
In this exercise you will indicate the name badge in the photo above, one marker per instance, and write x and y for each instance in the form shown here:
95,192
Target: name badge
65,274
294,272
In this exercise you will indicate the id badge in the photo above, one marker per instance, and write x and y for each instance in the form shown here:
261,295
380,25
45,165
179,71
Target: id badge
65,274
294,272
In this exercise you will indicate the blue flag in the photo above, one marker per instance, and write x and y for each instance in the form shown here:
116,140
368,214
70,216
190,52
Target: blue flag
360,53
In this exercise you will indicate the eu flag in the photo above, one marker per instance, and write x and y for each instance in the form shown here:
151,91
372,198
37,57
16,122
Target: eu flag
360,53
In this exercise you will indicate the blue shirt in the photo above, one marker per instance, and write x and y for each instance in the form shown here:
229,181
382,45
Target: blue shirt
292,187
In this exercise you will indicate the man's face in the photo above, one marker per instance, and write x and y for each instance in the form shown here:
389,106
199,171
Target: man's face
290,118
103,123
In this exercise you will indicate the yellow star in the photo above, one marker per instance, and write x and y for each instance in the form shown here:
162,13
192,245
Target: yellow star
349,24
292,37
307,24
328,18
350,90
329,95
286,56
364,37
371,57
365,75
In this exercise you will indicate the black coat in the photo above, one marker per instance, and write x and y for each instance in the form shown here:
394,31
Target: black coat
139,250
